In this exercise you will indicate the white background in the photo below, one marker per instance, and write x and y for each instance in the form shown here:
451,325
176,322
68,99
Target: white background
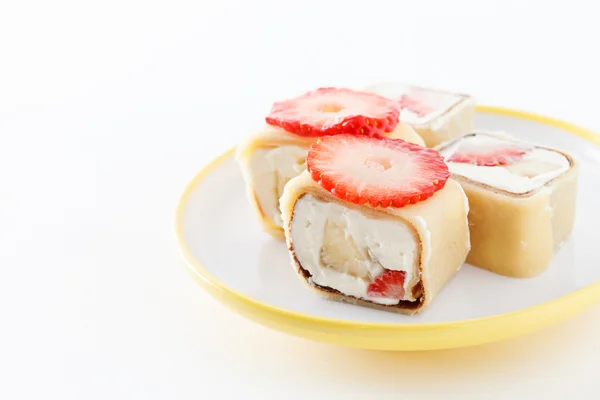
108,108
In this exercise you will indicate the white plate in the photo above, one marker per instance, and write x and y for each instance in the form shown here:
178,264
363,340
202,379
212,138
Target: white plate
223,244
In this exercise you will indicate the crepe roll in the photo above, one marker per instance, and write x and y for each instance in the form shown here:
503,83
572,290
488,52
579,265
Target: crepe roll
522,200
375,222
437,116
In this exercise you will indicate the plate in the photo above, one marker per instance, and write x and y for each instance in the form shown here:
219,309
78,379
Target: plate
224,248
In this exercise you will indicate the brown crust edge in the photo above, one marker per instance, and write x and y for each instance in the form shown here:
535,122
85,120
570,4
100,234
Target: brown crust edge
403,307
463,179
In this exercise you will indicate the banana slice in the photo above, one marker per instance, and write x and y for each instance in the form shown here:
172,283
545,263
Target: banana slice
340,252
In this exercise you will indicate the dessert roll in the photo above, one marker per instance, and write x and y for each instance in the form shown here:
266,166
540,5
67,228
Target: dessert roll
375,222
437,116
522,200
275,154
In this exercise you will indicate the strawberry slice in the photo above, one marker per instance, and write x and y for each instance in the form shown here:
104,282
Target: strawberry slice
330,111
488,155
376,170
390,285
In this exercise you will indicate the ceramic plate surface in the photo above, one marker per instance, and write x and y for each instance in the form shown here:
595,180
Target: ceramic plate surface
223,246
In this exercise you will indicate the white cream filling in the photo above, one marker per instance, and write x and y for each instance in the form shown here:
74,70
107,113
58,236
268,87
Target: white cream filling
389,243
271,169
536,168
438,102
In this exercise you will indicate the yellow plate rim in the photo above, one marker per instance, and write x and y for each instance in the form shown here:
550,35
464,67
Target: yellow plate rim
392,336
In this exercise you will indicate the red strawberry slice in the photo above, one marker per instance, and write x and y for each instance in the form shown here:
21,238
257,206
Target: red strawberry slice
330,111
488,155
376,170
390,285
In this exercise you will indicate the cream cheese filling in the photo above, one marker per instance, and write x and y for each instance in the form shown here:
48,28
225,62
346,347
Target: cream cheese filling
270,170
345,250
536,168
